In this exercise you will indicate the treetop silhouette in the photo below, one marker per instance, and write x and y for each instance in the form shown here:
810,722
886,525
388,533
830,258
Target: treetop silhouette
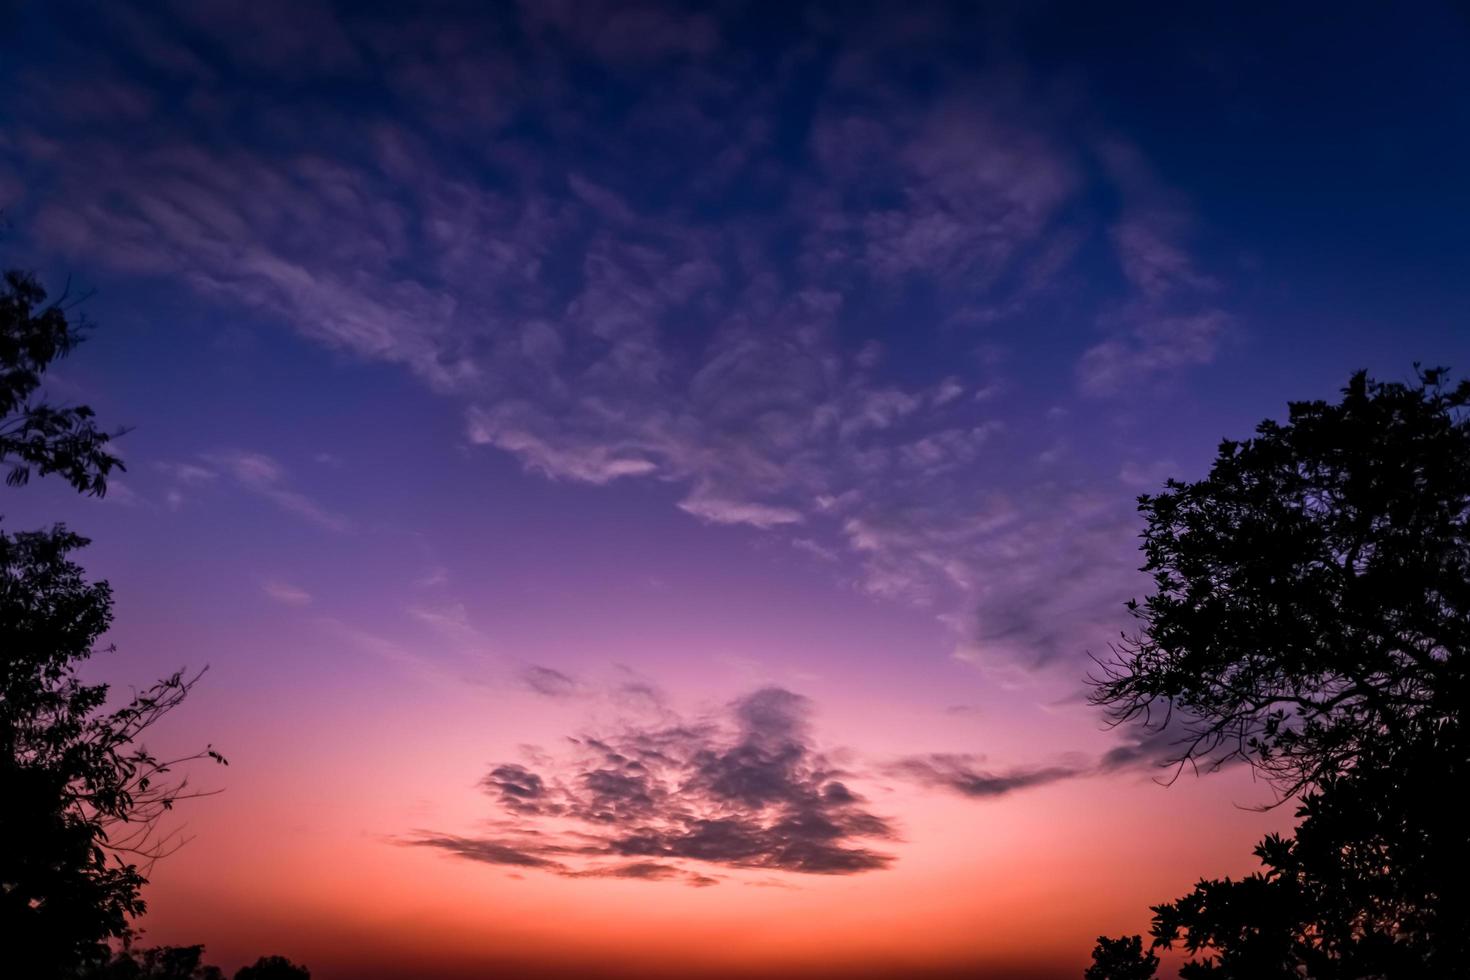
37,435
1312,593
1311,615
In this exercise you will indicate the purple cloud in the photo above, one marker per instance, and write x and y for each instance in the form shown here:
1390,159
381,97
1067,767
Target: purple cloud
749,793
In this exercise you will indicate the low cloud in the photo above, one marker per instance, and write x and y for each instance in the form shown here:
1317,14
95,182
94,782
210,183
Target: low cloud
746,791
1152,749
960,773
548,682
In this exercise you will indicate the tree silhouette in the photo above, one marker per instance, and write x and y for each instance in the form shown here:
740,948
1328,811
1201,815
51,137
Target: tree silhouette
182,963
1121,959
1311,614
157,963
273,968
1312,593
81,795
1373,884
48,438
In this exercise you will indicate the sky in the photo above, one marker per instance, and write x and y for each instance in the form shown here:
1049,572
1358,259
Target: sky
647,480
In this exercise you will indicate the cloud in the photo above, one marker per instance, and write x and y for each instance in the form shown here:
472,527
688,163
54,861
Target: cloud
1147,476
1155,749
548,681
686,286
187,474
491,852
718,511
959,773
747,792
262,475
1157,345
119,492
651,871
516,788
1153,222
286,593
1159,747
510,427
485,851
451,621
1170,324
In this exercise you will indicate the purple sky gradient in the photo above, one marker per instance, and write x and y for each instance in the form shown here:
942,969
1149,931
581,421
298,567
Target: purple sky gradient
574,369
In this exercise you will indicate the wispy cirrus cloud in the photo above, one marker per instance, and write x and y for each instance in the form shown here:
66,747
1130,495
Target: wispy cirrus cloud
286,593
262,475
254,472
676,286
1173,322
1157,344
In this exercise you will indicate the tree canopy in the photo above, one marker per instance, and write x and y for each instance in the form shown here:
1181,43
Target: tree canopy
1311,614
273,968
1312,592
155,963
1370,887
185,963
1123,958
38,435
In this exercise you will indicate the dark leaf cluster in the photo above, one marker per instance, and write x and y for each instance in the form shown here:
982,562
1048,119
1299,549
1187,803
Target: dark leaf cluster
34,435
1311,614
183,963
1312,593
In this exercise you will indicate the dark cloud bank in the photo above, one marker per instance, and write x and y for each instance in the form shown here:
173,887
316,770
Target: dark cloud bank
750,791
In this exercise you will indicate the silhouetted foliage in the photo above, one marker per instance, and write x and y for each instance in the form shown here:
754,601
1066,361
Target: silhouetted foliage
48,438
1123,958
182,963
1312,615
1312,593
157,963
273,968
1373,885
81,796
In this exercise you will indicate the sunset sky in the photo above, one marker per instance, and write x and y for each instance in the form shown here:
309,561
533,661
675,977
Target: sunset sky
646,479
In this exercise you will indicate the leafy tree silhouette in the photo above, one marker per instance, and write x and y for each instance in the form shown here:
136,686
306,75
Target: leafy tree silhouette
273,968
157,963
40,436
1311,615
182,963
1312,593
81,796
1121,959
1373,885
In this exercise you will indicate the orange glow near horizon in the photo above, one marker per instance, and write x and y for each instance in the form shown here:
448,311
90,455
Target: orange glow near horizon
1014,886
